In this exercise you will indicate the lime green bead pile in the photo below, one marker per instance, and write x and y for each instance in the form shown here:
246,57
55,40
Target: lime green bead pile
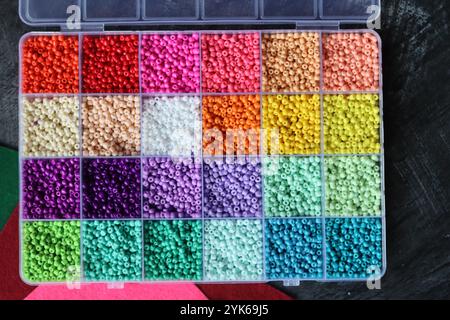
233,250
112,250
173,250
353,186
292,187
50,250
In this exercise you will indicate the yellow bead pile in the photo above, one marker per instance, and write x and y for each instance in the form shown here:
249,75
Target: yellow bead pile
291,124
352,124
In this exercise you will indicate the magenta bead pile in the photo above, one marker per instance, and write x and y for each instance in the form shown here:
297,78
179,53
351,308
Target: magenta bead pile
232,188
111,188
170,63
51,189
172,188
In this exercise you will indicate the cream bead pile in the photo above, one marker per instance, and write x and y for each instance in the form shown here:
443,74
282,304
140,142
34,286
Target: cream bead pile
111,126
51,127
171,126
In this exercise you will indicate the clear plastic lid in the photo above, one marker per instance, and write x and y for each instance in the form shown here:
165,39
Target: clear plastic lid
141,12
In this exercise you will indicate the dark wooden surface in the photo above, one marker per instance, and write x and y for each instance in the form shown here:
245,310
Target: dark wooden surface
416,65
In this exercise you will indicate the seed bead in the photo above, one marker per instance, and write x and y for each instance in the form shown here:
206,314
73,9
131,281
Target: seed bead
51,127
352,124
50,251
291,124
112,250
353,186
231,125
294,249
291,62
50,64
173,250
233,250
292,187
354,248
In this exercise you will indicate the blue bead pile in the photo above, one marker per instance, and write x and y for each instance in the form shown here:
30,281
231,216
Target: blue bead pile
294,248
353,247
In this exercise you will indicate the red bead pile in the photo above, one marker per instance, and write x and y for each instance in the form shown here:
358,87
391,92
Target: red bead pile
170,63
111,64
50,64
231,62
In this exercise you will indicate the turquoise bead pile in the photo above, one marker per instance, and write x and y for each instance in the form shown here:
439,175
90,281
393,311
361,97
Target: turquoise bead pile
354,247
173,250
294,248
51,251
353,186
112,250
292,187
233,250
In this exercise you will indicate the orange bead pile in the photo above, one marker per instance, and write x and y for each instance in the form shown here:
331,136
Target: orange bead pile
231,125
351,62
231,63
111,64
50,64
291,62
291,124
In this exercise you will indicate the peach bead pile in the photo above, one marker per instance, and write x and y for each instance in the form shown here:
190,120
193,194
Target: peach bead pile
291,124
201,156
231,62
291,62
51,127
170,63
231,125
351,62
50,64
111,126
352,124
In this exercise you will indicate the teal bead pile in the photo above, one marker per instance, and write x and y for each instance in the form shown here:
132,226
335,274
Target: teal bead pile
353,186
51,251
292,187
173,250
112,250
354,247
233,250
294,248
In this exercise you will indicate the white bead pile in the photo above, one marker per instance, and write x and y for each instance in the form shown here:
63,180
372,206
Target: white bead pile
51,127
171,126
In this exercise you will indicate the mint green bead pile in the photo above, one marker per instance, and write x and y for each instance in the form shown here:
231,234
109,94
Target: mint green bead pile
233,250
354,247
173,250
292,187
353,186
50,250
112,250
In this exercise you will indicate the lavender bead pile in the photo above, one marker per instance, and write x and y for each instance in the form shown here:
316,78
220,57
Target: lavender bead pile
111,188
51,189
232,188
171,188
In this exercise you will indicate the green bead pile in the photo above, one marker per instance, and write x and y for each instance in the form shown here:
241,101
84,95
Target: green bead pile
233,250
173,250
112,250
353,186
51,251
292,187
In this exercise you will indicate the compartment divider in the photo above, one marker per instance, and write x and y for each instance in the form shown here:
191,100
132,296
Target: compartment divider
262,156
202,154
141,111
80,119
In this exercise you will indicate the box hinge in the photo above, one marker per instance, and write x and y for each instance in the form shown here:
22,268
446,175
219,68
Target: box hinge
74,27
291,283
314,25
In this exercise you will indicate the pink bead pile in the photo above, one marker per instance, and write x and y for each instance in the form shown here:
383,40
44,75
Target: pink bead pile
231,62
170,63
351,62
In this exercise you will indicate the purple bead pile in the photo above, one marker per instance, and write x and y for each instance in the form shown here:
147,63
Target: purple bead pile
51,189
232,188
111,188
172,188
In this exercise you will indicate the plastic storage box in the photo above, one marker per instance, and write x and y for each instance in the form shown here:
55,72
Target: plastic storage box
310,208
